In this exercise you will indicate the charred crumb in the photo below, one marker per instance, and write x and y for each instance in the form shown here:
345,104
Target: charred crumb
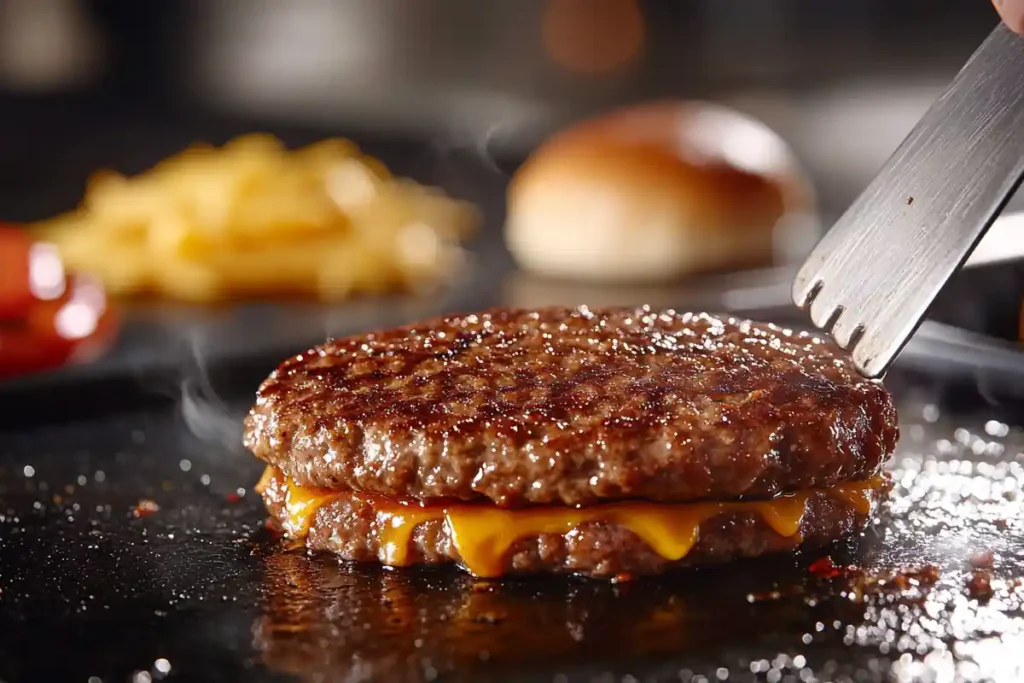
824,568
979,585
145,507
910,200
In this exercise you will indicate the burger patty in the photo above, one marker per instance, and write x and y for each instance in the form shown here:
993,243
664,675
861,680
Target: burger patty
573,406
352,528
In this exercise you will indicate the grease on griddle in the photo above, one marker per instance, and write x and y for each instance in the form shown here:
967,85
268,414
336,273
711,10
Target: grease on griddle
979,580
958,491
983,560
326,621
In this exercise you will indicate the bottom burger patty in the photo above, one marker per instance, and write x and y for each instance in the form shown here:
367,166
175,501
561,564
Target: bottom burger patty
367,528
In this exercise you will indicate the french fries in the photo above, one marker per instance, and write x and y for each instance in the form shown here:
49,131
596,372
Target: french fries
252,219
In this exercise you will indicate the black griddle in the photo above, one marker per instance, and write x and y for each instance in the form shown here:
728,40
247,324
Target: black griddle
129,545
132,547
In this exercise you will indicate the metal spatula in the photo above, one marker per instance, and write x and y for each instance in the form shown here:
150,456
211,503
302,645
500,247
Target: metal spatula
870,280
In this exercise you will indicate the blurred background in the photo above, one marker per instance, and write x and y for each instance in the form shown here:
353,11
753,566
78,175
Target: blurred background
452,93
123,84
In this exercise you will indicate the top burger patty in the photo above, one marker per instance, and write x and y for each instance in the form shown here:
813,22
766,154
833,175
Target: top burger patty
573,406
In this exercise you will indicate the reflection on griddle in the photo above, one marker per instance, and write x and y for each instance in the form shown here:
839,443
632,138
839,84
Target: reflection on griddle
935,593
326,621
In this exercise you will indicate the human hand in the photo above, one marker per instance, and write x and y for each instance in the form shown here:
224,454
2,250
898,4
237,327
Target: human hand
1012,12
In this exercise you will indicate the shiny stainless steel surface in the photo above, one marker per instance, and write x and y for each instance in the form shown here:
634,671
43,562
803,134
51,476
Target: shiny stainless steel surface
871,279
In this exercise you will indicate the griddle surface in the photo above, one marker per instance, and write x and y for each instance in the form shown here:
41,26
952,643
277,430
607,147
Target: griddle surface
92,585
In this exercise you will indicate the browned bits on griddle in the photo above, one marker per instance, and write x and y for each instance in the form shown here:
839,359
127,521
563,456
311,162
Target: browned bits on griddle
858,584
573,406
145,507
905,578
979,584
918,578
928,574
824,568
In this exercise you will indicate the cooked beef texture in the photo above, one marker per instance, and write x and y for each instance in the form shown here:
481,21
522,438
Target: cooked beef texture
574,406
351,527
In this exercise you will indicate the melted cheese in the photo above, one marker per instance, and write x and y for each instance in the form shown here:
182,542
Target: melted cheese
395,524
484,534
301,504
857,497
269,475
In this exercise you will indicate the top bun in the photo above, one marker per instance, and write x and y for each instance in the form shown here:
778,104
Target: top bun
655,192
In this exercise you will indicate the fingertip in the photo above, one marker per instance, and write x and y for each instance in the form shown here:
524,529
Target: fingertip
1012,14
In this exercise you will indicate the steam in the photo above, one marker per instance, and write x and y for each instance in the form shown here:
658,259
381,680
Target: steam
515,128
451,143
206,414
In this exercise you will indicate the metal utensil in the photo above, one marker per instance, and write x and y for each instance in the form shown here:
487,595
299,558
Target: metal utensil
870,280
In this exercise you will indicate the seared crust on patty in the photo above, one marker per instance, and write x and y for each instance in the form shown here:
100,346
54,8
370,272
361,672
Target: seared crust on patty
573,406
351,528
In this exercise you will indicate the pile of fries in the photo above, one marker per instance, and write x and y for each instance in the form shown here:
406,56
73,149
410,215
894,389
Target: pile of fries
253,219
